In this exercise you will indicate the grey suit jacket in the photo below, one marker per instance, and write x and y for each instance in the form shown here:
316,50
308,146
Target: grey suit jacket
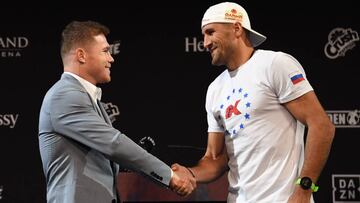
78,148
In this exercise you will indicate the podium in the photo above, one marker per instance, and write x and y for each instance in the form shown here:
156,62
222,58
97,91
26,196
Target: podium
134,187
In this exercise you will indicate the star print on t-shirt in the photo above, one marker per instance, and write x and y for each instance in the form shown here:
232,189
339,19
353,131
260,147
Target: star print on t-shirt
236,108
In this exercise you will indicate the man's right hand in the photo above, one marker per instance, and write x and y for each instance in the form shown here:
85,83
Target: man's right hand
182,181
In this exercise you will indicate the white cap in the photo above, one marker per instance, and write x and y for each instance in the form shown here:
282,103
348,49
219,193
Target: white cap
228,12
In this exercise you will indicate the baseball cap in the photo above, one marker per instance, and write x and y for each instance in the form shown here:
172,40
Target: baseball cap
229,12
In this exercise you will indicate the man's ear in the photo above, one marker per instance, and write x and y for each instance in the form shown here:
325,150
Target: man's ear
80,55
239,30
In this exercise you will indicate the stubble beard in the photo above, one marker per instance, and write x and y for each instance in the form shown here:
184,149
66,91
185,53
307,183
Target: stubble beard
216,60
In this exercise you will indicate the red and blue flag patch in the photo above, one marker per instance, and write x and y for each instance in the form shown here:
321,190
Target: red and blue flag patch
296,78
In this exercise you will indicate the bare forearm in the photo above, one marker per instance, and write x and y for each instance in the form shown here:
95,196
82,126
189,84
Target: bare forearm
318,145
209,168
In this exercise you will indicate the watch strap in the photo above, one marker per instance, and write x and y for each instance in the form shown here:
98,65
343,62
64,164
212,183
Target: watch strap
313,187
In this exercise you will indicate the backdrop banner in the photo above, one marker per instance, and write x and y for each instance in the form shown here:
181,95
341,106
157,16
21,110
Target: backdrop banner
159,82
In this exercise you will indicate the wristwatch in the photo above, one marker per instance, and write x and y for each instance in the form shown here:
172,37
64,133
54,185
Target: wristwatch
306,183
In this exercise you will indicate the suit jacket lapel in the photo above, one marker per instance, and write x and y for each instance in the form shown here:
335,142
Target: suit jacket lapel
114,167
102,111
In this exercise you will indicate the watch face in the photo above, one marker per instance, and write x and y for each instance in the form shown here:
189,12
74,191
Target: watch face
305,183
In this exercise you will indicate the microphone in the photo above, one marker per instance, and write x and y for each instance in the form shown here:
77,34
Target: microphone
1,191
147,143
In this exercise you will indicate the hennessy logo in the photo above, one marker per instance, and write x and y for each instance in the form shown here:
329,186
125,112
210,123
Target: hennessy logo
8,120
232,109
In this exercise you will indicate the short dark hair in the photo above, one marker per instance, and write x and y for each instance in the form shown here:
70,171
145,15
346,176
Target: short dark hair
80,33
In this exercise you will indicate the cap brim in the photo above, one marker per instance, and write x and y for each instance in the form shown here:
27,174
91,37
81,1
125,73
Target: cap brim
256,38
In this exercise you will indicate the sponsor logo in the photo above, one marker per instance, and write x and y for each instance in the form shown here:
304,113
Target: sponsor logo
233,15
345,118
115,48
340,40
194,45
12,46
112,110
346,188
8,120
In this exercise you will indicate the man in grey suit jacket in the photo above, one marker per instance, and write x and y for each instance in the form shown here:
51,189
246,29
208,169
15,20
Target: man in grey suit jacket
79,148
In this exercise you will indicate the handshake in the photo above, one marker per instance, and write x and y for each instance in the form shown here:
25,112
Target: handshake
183,181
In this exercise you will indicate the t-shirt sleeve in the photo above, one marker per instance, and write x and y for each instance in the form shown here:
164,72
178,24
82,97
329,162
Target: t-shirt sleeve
214,123
287,78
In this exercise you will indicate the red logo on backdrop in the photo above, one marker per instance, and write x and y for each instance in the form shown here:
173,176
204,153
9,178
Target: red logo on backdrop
232,109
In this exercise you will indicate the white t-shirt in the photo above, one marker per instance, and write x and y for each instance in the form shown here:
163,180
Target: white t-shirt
264,142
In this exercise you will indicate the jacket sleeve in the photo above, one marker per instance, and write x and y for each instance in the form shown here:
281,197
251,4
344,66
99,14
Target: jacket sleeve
73,115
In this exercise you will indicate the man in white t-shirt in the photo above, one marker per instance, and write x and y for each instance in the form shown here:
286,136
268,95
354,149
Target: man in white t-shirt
257,111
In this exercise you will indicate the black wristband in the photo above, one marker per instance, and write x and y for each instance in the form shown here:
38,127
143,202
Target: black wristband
192,173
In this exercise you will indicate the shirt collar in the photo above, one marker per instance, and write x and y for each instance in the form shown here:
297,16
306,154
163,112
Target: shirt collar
94,91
